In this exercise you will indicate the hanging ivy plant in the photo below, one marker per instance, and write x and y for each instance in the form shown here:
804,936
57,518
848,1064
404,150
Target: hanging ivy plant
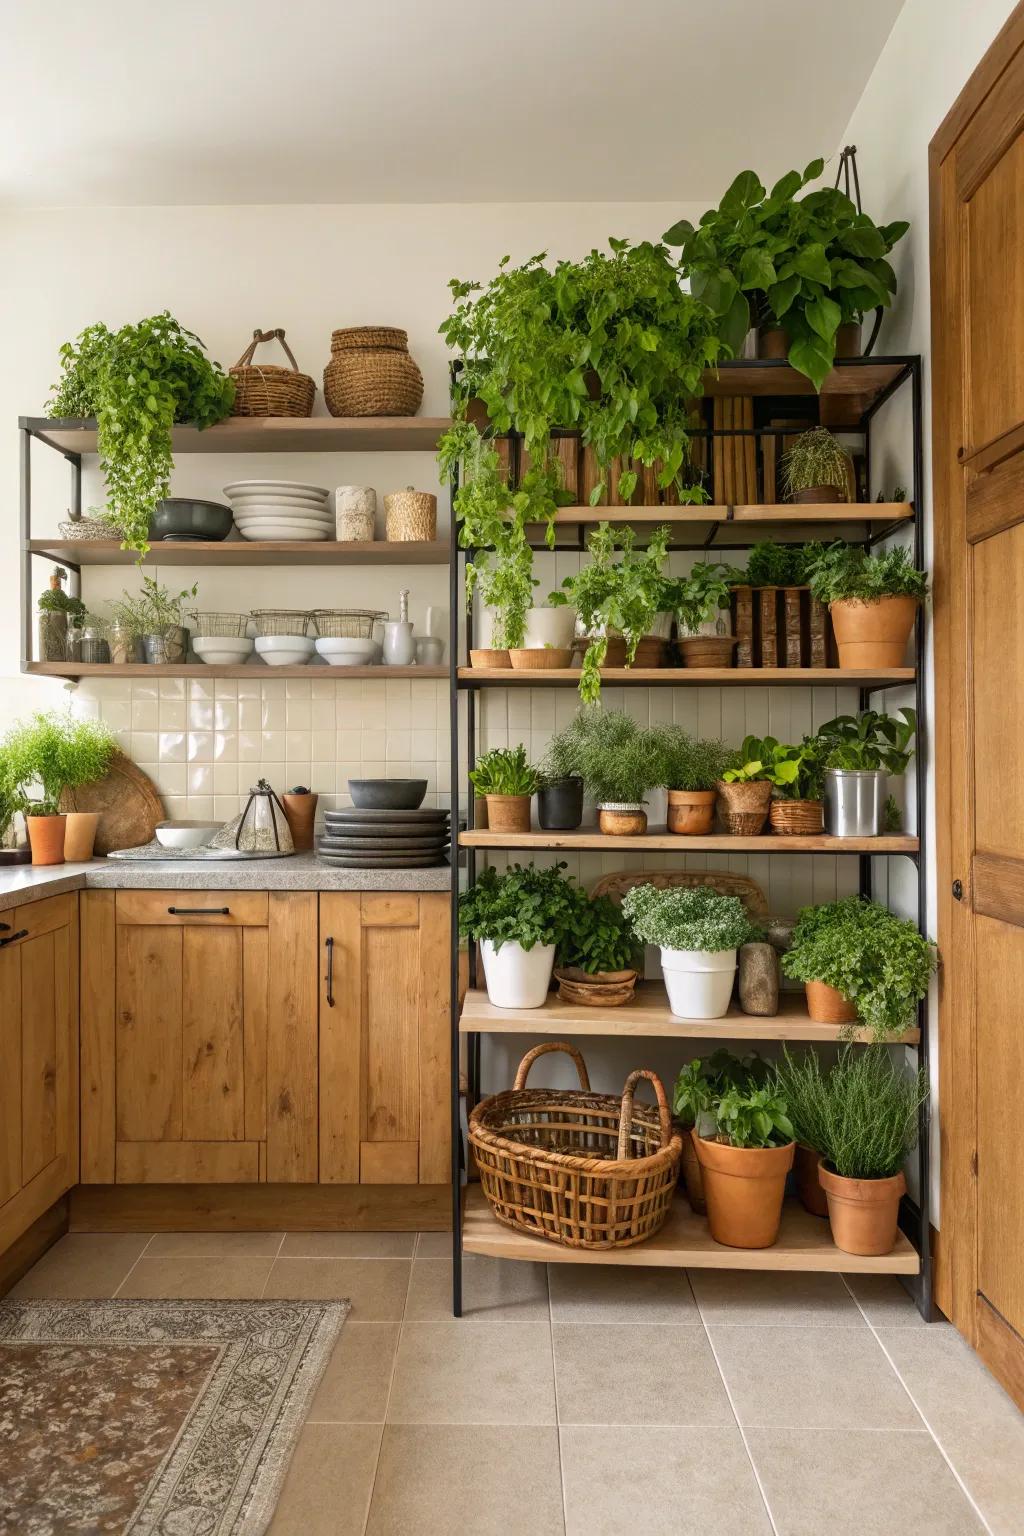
138,382
615,595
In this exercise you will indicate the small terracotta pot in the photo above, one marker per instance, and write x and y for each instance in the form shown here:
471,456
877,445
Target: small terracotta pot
744,1188
539,658
797,818
46,836
651,651
744,807
863,1213
300,814
480,811
508,813
848,342
808,1185
693,1176
818,493
708,650
489,658
79,835
772,342
825,1005
873,634
691,812
622,820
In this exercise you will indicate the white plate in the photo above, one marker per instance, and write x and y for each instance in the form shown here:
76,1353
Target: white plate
284,533
281,513
275,485
276,499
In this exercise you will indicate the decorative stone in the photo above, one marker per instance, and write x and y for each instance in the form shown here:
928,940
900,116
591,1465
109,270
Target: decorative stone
759,979
779,932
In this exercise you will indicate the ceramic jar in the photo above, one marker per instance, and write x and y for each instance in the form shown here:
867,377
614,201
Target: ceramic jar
355,513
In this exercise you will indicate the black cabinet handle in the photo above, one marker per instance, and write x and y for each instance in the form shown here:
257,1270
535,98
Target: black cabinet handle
329,943
22,933
199,911
5,927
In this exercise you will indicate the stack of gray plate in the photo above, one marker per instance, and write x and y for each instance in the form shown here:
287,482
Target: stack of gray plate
360,839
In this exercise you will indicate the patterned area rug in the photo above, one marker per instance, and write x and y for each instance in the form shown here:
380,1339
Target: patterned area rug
155,1418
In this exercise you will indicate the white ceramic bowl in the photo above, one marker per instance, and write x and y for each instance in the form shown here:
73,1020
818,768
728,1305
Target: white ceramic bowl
284,650
269,514
342,652
301,532
245,499
222,650
185,834
240,487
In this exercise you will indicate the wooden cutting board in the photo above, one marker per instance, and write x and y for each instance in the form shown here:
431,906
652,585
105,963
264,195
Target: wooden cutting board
128,802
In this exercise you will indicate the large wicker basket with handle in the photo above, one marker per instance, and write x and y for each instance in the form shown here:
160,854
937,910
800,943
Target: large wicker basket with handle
267,389
583,1169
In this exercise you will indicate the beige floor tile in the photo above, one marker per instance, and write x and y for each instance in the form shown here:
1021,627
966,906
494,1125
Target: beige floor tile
357,1380
218,1245
661,1482
83,1264
487,1373
650,1373
607,1293
976,1424
434,1245
743,1296
483,1481
375,1287
327,1491
885,1303
870,1482
493,1291
217,1279
811,1378
349,1245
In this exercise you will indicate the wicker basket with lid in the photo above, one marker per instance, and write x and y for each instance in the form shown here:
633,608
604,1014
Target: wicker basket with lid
266,389
371,373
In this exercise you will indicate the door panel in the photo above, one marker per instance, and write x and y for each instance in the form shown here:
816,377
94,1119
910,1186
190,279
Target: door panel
1000,959
998,691
148,1037
213,1054
995,296
38,1055
10,1077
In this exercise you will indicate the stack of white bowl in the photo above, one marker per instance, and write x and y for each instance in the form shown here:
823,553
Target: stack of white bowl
280,509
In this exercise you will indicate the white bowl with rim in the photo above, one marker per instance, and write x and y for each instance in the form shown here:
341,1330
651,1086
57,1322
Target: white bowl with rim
343,651
284,650
222,650
285,487
185,834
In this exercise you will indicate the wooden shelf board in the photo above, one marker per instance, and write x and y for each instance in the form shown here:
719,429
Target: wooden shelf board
658,840
271,434
684,1242
77,669
692,677
862,380
806,512
240,552
648,1016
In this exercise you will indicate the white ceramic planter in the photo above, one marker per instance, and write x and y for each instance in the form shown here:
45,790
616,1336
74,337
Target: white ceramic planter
517,978
698,982
550,626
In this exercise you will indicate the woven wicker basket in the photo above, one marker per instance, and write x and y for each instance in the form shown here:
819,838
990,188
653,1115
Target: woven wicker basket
582,1169
410,516
371,373
270,390
792,818
744,807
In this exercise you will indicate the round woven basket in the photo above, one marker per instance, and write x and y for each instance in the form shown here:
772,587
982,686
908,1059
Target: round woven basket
792,818
582,1169
410,516
267,389
371,373
744,807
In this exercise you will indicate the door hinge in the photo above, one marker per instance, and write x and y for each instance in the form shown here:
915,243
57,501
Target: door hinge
958,890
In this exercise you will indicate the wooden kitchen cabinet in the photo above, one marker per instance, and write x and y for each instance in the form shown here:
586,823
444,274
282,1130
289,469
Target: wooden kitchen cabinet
199,1037
384,1038
38,1059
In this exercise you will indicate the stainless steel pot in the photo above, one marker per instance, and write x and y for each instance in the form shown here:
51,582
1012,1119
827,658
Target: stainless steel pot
855,802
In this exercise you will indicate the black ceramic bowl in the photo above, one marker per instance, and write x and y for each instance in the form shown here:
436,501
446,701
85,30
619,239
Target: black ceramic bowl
387,794
179,517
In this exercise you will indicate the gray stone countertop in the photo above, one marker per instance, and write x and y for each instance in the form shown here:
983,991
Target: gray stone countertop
301,872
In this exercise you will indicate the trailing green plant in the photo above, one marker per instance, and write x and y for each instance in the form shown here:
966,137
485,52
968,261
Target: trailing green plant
51,753
876,959
777,565
611,595
815,459
808,264
892,816
701,1083
862,1115
700,596
753,1117
752,760
870,740
155,610
798,772
11,798
597,937
618,761
137,382
697,918
844,571
689,762
504,771
526,905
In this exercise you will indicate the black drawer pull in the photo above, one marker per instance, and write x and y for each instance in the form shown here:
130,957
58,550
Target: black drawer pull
199,911
330,972
5,927
22,933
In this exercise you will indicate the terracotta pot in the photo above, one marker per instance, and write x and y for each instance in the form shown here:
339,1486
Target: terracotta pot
708,650
818,493
622,820
744,1188
508,813
772,342
693,1176
539,658
489,658
480,811
79,835
827,1006
615,654
46,835
862,1213
848,342
873,634
691,812
300,814
808,1185
797,818
744,807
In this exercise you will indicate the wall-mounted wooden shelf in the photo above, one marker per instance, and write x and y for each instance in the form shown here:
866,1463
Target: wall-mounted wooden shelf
804,512
660,841
692,677
269,434
77,669
240,552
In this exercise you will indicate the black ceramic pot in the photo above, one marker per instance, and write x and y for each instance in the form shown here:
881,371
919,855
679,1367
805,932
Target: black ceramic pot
560,806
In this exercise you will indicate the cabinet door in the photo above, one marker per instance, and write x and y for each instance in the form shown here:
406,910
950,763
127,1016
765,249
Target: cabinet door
384,1043
39,1053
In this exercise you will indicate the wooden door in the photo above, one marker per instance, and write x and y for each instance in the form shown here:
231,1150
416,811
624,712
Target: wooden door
977,167
384,1038
38,1059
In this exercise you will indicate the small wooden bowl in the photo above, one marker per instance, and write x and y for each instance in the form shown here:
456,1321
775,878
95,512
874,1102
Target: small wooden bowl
539,658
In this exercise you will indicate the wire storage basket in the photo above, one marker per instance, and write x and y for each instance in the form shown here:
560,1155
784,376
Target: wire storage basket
345,623
232,624
268,389
282,621
582,1169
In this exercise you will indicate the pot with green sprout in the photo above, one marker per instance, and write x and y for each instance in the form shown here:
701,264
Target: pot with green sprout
745,790
518,918
862,751
873,600
690,769
560,793
506,781
620,765
701,603
596,964
698,933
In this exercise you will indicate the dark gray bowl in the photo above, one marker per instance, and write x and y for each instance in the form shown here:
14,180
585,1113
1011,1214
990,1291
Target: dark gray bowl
179,517
387,794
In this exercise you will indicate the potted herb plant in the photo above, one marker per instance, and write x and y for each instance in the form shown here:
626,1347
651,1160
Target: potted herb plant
862,751
745,1163
801,1087
816,469
12,802
873,600
620,766
701,605
157,616
745,790
797,776
51,754
506,781
698,1087
560,793
858,959
596,960
56,608
698,933
690,769
519,918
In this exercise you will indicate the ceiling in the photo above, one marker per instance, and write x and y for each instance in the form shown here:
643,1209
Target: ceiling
351,101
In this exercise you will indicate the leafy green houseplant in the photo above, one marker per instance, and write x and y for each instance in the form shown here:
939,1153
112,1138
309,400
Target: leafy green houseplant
698,1088
777,565
698,933
505,779
745,1146
745,790
518,917
816,468
873,600
701,603
619,763
44,758
56,610
797,776
597,956
615,596
857,959
690,769
137,382
862,750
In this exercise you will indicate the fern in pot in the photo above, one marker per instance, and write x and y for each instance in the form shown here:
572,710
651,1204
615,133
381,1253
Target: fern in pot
698,933
873,600
690,769
861,752
44,759
620,764
518,918
560,793
506,781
